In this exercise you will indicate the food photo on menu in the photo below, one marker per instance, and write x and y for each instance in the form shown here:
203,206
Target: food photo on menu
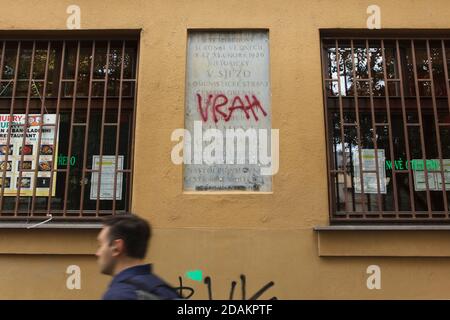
45,165
4,149
25,182
26,150
7,182
46,149
6,165
25,165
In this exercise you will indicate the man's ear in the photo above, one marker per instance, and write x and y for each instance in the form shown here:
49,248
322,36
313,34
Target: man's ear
117,247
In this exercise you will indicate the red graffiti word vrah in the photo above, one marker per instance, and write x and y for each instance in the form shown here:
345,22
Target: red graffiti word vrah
219,101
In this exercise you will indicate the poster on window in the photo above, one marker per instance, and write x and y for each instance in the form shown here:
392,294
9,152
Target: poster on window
446,163
108,164
33,157
433,173
369,164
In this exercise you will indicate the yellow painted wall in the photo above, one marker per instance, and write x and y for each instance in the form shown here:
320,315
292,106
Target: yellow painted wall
266,237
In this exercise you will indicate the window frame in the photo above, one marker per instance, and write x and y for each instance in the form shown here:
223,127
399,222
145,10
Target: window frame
126,37
380,216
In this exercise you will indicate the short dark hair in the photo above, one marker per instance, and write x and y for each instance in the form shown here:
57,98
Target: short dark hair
134,231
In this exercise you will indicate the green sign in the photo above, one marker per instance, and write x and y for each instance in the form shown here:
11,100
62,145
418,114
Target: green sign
64,160
416,165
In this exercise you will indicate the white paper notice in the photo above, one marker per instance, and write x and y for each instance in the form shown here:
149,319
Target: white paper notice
446,163
369,164
107,177
433,173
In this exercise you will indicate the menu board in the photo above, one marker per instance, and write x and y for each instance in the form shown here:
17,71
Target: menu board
32,156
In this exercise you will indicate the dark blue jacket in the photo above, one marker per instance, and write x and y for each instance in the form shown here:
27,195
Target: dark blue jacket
124,284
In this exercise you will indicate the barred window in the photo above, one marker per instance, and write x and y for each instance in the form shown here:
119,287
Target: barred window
388,128
66,127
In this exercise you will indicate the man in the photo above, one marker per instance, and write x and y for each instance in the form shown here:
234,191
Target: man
123,244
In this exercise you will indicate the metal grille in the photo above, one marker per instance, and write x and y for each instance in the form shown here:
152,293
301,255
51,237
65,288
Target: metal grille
388,128
67,116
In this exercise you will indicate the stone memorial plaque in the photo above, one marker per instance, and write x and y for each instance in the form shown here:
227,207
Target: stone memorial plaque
227,93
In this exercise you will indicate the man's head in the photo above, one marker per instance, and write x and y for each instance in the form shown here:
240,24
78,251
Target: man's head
122,239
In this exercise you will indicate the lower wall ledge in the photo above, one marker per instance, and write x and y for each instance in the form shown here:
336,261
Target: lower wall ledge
52,225
383,241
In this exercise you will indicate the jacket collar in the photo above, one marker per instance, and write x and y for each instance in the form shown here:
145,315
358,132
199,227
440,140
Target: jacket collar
143,269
